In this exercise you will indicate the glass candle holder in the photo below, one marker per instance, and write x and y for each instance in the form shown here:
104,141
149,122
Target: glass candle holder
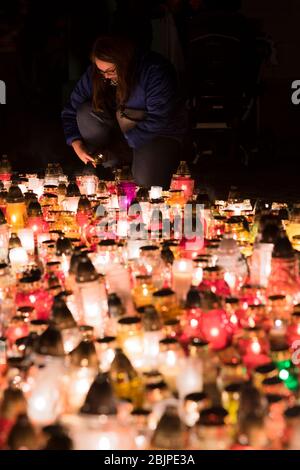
183,183
16,208
213,280
18,259
131,339
32,292
182,271
127,383
143,290
176,198
165,302
193,404
170,361
26,236
231,401
254,347
105,348
4,238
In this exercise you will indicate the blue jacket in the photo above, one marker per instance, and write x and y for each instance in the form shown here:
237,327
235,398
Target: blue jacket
155,92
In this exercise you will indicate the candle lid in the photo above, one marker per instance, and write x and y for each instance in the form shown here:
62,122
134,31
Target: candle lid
149,248
234,387
61,315
14,194
231,300
34,209
214,416
106,339
193,299
50,343
132,320
34,275
167,255
198,343
72,190
292,412
274,398
84,355
272,381
100,399
142,194
26,309
63,246
86,271
140,412
196,396
107,242
168,341
161,385
165,292
283,248
84,204
266,368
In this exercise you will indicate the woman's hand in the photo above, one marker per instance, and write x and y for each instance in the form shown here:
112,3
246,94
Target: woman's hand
81,152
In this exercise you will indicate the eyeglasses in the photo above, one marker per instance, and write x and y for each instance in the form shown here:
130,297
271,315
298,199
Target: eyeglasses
107,73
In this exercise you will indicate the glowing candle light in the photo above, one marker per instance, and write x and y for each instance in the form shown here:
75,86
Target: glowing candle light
26,236
18,258
182,277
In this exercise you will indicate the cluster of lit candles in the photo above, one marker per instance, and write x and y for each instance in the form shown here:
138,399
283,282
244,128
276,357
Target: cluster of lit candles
138,325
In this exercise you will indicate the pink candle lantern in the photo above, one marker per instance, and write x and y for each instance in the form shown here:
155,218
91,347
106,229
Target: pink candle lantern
126,192
5,169
182,181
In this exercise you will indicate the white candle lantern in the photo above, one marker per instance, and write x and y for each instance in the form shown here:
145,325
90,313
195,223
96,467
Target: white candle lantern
18,258
189,379
26,236
155,192
4,239
45,403
182,277
92,297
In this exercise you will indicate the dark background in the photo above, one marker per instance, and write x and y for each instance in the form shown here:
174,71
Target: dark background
44,48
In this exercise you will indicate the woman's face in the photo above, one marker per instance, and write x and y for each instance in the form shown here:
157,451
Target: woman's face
107,69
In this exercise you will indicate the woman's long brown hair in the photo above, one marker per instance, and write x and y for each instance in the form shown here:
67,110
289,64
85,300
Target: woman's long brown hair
121,52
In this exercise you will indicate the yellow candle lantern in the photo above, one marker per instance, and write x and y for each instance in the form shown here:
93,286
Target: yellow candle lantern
16,208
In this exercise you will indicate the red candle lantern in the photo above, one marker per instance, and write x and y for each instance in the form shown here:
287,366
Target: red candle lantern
84,212
191,319
182,180
213,281
35,218
213,322
32,292
5,169
254,347
293,329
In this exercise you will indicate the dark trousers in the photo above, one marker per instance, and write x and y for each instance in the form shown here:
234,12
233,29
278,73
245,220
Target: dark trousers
152,164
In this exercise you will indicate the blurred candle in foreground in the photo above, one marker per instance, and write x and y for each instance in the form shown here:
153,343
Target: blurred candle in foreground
18,258
27,239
